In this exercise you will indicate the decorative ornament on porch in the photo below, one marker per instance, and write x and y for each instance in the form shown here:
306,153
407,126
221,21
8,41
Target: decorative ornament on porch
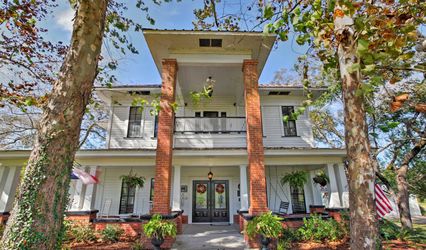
201,188
321,178
133,180
206,93
295,179
220,188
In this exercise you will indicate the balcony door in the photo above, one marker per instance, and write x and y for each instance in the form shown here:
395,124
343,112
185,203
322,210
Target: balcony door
210,201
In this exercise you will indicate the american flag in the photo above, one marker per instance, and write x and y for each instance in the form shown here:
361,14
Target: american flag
383,205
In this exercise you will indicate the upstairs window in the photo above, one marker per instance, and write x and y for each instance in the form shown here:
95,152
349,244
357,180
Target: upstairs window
127,198
135,121
290,125
210,42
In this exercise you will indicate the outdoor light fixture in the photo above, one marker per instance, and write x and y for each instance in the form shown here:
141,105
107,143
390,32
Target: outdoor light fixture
210,175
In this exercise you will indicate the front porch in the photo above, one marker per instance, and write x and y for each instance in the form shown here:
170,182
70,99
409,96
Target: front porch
191,193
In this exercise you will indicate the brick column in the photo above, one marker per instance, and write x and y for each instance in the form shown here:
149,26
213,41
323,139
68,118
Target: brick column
256,167
163,162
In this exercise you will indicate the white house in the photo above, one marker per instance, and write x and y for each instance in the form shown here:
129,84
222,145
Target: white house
238,136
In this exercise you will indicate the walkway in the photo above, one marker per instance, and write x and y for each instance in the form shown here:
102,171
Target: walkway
205,236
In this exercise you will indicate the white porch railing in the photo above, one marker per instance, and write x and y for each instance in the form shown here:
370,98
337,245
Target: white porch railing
210,125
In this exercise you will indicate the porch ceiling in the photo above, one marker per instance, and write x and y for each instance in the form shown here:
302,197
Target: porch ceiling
228,79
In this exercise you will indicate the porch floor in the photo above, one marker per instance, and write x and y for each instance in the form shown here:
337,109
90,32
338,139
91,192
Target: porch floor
206,236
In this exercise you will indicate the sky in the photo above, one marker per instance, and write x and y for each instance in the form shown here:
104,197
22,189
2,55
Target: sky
140,69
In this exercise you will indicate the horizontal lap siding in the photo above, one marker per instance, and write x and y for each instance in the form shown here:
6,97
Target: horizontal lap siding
120,125
110,188
273,127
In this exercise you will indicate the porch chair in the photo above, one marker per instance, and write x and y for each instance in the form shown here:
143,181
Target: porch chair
106,208
283,210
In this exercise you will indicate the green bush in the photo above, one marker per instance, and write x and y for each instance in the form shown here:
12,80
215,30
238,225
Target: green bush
388,230
267,224
79,232
111,233
317,229
287,237
159,228
2,227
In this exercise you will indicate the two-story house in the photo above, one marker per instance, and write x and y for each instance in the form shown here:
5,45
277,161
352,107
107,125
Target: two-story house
209,157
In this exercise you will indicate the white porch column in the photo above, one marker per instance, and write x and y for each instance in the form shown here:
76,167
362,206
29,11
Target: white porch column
90,191
243,188
176,189
316,193
9,179
77,196
333,189
344,197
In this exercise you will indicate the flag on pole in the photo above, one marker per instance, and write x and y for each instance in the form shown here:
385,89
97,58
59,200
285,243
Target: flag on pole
383,205
86,178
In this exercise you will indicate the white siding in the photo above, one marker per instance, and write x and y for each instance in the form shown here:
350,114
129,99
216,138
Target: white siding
271,117
109,188
273,125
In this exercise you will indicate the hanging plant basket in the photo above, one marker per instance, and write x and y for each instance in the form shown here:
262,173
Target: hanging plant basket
133,180
321,179
201,188
220,189
295,179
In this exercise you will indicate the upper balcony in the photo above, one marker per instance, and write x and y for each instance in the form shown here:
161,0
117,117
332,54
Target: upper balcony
210,125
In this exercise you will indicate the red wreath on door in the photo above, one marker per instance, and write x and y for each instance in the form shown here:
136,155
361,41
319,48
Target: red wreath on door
201,189
220,188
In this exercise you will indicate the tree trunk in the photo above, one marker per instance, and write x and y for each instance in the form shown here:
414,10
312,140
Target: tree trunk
402,197
361,174
37,216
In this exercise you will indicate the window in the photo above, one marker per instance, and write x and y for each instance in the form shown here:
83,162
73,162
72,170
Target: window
127,198
155,126
210,42
151,191
135,120
290,125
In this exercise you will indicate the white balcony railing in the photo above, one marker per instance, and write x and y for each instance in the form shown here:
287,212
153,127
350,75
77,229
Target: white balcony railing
210,125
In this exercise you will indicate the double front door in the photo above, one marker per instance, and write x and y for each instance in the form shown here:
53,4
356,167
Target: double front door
210,201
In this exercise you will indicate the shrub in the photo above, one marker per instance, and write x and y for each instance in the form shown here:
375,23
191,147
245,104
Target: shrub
137,245
111,233
317,229
267,225
287,237
388,230
79,232
2,227
159,228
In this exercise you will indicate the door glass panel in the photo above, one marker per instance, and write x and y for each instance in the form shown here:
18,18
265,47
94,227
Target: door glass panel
220,195
201,196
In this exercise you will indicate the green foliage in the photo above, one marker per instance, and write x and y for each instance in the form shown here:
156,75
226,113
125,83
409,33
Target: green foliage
317,229
137,245
111,233
198,96
288,236
159,228
321,178
133,180
267,224
79,232
295,179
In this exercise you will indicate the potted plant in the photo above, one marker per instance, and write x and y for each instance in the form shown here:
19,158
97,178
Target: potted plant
267,225
295,179
321,178
158,229
133,180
